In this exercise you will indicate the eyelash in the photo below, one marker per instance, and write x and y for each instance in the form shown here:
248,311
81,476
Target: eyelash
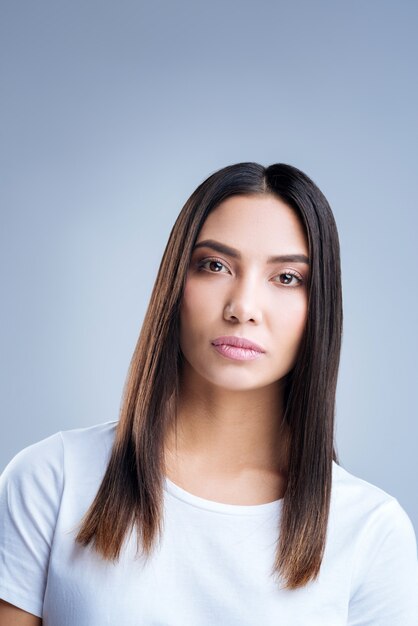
200,267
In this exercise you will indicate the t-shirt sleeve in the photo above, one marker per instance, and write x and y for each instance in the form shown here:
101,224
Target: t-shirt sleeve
385,583
30,495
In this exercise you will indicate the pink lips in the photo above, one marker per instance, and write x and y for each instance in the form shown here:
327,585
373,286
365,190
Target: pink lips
237,348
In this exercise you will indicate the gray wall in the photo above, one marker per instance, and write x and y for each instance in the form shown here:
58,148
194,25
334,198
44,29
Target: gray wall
113,112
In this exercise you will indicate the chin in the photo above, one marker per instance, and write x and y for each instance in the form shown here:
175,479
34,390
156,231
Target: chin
236,381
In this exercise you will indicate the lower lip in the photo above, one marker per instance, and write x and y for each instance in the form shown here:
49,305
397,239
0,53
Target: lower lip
237,354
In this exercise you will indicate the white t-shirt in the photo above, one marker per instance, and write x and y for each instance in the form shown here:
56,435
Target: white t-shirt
214,562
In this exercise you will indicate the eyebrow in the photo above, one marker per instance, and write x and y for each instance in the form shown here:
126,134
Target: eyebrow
224,249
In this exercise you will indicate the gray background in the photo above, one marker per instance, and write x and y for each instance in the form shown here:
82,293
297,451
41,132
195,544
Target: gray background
113,112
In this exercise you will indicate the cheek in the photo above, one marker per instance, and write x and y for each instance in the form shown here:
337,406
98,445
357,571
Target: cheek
294,318
195,305
189,302
195,317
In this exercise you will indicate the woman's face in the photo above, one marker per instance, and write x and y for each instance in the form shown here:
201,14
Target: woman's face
238,286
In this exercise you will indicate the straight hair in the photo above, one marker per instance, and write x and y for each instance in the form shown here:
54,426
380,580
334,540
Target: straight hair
130,496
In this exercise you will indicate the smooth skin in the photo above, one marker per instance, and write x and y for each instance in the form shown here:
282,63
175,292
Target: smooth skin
12,616
231,444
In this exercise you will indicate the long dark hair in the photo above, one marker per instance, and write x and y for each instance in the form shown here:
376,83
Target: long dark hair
131,493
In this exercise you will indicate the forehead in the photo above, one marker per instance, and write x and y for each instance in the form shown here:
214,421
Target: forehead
259,224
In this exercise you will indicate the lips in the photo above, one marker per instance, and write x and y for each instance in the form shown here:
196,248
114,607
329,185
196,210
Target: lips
238,342
236,349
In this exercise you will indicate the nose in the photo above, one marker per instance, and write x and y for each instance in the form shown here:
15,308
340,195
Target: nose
243,305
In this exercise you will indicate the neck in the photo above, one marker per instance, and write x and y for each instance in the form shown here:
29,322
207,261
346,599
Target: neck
229,431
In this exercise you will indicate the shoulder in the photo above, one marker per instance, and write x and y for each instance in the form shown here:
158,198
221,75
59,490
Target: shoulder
89,445
65,467
351,486
365,504
41,467
44,491
37,465
381,546
372,521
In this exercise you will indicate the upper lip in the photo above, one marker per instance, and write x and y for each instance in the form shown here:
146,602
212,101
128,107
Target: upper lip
240,342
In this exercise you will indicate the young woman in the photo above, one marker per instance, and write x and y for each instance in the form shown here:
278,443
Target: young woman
217,497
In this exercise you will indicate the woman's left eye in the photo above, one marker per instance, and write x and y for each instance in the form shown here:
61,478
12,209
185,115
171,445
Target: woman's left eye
288,277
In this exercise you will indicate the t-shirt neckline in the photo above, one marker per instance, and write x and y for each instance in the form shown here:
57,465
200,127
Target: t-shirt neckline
220,507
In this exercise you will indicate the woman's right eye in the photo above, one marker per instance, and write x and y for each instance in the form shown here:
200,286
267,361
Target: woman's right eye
213,265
